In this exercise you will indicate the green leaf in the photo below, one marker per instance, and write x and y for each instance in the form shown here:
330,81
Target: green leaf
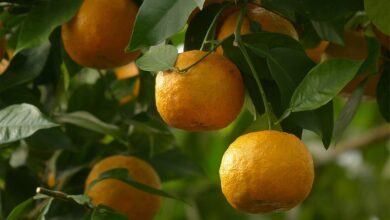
378,12
20,121
19,210
332,31
103,213
158,58
45,209
83,200
199,3
90,122
44,17
323,83
122,174
24,67
158,20
383,93
349,110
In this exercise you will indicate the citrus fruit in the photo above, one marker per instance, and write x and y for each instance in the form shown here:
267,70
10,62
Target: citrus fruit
266,171
382,38
125,72
267,20
316,53
207,97
120,196
98,34
355,48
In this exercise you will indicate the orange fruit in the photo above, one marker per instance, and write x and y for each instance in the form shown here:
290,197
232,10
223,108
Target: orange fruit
266,171
355,48
316,53
125,72
207,97
98,34
134,203
382,38
268,21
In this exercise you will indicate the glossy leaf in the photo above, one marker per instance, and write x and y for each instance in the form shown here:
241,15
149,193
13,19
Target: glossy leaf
323,83
349,110
158,20
383,93
378,12
122,174
158,58
20,121
43,19
24,67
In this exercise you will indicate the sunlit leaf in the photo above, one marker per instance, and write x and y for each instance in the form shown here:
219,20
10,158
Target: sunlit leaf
158,58
378,12
323,83
20,121
158,20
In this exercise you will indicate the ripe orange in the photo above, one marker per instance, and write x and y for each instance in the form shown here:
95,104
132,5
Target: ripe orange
355,48
207,97
316,53
383,38
97,36
134,203
125,72
268,21
266,171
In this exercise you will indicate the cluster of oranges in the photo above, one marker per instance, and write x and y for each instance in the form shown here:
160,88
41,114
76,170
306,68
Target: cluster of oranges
260,171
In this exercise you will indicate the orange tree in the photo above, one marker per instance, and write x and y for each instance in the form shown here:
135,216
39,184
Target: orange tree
79,140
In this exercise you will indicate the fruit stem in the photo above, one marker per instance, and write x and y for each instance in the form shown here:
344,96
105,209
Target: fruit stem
238,42
203,57
258,82
58,195
212,25
237,31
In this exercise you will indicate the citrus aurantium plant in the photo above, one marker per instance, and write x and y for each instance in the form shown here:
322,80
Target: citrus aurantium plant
101,99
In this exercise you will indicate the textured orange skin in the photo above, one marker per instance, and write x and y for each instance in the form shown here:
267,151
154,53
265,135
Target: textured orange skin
97,36
355,48
268,21
135,204
383,38
266,171
316,53
207,97
128,71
